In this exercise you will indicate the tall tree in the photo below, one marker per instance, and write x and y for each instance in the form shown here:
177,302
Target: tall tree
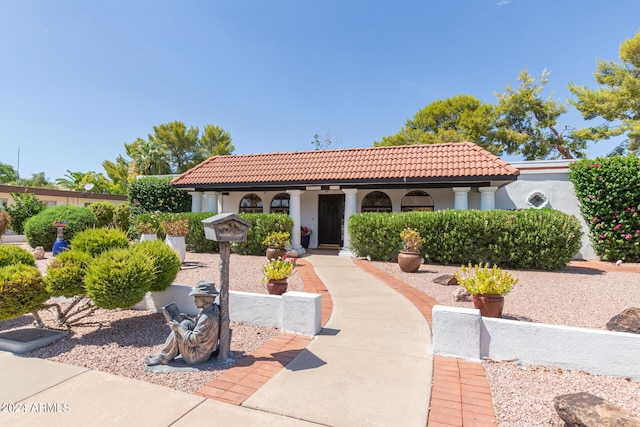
71,181
37,180
528,124
456,119
215,141
148,157
179,142
617,99
8,174
118,172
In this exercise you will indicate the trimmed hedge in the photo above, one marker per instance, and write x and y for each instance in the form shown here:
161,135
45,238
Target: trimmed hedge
94,241
21,290
40,230
118,278
542,239
154,194
261,225
166,262
122,217
12,254
65,274
608,189
103,212
195,240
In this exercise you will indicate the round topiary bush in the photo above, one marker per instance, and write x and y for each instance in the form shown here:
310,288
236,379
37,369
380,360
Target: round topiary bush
103,212
118,278
122,216
21,290
65,274
12,254
94,241
165,261
40,230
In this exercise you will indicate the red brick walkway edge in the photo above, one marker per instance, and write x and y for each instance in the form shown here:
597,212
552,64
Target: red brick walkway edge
238,383
460,394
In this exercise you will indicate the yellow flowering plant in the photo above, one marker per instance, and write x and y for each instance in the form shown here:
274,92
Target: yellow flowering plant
483,280
278,269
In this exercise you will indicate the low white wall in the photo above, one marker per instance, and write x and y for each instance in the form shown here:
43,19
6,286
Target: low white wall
294,312
464,333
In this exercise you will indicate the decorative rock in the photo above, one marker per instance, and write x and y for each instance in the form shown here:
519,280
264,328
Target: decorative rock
627,321
38,252
446,280
588,410
461,294
293,254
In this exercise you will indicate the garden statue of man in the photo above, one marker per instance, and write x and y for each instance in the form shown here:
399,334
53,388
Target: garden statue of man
194,339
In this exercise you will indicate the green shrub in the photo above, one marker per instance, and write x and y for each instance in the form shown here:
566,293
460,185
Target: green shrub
195,240
536,239
40,230
66,272
24,206
12,254
103,212
153,194
94,241
118,279
122,217
260,225
480,279
21,290
608,190
165,261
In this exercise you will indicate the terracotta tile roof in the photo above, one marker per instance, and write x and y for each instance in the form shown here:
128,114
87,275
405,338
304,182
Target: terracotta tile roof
406,163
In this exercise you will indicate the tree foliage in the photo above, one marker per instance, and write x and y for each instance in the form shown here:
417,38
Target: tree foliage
24,206
617,99
456,119
174,148
8,174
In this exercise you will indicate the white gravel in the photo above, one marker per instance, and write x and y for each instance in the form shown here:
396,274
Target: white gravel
523,395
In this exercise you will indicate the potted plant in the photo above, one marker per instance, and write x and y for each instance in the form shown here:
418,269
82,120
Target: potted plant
147,230
305,236
276,242
409,258
276,272
176,229
487,287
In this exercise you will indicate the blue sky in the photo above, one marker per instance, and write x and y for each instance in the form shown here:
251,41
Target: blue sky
82,78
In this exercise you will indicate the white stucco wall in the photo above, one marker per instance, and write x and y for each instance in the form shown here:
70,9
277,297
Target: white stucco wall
550,178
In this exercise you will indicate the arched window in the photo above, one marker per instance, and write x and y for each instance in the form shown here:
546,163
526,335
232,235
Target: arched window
280,203
376,201
417,201
251,203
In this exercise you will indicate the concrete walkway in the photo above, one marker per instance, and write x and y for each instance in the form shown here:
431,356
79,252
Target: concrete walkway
370,366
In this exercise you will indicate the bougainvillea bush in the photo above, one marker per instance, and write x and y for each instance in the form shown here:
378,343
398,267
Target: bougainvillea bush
609,193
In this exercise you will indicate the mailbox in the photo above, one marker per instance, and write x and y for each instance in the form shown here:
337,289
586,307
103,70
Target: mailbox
225,227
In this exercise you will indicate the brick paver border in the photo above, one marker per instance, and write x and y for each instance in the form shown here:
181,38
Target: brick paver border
238,383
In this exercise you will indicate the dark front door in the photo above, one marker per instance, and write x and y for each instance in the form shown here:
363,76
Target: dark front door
330,219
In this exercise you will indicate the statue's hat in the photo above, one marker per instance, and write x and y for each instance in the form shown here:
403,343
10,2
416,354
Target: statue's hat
205,289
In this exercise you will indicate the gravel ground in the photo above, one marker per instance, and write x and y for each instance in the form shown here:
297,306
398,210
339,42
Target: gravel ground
105,342
523,395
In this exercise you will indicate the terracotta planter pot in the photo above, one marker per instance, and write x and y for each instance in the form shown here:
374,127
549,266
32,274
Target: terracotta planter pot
277,287
490,305
409,262
273,252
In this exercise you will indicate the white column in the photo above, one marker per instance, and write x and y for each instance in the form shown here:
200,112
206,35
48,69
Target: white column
462,198
196,201
212,201
294,212
487,198
349,209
